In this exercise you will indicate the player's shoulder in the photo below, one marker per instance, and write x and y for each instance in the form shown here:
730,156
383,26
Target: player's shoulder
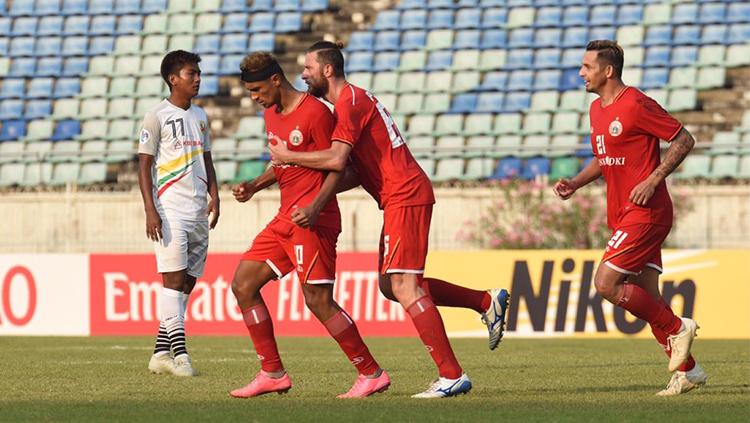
156,111
316,105
199,112
643,100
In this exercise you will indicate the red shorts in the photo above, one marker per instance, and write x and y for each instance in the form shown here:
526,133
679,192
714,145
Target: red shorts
635,246
285,246
404,239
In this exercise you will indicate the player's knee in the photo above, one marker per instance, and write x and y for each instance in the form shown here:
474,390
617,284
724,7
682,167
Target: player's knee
403,287
604,288
318,301
244,288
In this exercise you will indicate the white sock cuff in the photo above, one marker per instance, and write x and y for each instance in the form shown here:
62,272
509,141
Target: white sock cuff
171,293
170,302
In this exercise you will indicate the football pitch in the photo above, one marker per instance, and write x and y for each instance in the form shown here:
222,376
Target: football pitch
105,379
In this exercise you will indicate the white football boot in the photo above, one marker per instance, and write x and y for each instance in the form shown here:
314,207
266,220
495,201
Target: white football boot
680,343
161,363
443,388
494,317
183,366
683,382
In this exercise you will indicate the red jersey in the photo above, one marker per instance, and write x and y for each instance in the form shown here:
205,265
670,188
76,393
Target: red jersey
386,168
625,139
307,128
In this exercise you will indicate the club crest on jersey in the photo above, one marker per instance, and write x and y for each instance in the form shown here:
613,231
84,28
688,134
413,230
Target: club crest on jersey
295,137
202,125
145,136
615,128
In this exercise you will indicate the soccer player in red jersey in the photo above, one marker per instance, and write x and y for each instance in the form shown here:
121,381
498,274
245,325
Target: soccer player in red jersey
302,237
626,127
366,135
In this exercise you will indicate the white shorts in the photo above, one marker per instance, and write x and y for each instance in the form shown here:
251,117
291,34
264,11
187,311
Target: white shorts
184,246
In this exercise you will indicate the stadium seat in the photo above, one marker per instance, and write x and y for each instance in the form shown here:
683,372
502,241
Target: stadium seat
602,15
259,5
712,13
481,146
563,167
465,81
22,8
520,59
102,25
655,78
439,39
262,42
507,124
64,151
385,82
494,39
101,45
92,173
119,151
119,129
37,173
387,19
548,37
534,167
657,56
724,166
682,77
517,101
409,103
744,167
656,14
413,40
411,82
694,166
440,18
629,35
183,23
128,45
449,125
125,7
738,13
36,109
13,88
507,168
536,123
479,168
687,35
11,174
738,33
448,169
100,7
469,18
64,173
361,41
682,99
608,33
711,77
93,108
575,37
492,59
547,80
685,13
725,142
490,102
545,100
449,146
387,41
226,170
75,7
154,44
288,22
314,5
12,129
22,67
250,170
711,55
684,56
521,38
39,130
437,103
385,61
76,25
250,126
575,16
11,152
714,34
658,35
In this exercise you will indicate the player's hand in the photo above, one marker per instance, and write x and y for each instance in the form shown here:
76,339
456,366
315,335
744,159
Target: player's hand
279,151
243,192
153,225
213,212
642,192
305,217
564,188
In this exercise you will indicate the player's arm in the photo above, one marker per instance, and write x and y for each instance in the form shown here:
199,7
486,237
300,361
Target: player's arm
245,190
680,147
213,190
147,147
565,188
334,158
308,216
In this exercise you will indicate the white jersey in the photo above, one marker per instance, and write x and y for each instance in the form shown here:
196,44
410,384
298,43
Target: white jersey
177,139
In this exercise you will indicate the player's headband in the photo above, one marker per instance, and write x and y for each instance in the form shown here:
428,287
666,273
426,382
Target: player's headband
261,74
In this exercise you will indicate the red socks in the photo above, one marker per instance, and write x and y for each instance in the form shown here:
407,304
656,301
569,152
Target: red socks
447,294
344,331
661,338
431,330
637,301
258,323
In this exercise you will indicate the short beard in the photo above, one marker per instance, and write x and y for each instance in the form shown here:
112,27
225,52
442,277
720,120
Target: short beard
318,89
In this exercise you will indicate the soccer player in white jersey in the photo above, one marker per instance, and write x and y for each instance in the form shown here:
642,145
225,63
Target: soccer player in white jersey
175,174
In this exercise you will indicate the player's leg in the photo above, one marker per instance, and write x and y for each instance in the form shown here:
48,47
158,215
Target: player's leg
627,254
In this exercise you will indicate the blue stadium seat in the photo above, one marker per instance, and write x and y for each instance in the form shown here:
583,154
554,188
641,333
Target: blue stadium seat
76,25
507,168
548,16
412,4
712,13
238,22
603,15
361,41
494,18
262,42
570,80
67,87
468,19
207,44
520,59
413,40
288,22
50,25
210,62
230,64
547,58
11,109
234,43
494,38
101,46
685,13
5,25
714,34
490,102
654,78
13,130
687,34
520,80
657,56
48,46
414,19
21,47
387,41
575,37
494,81
575,16
536,166
547,80
102,25
440,4
658,35
24,26
738,34
101,7
22,66
287,5
439,60
75,7
738,13
387,19
3,46
521,38
234,6
602,33
131,24
684,56
359,61
262,5
13,88
439,19
124,7
467,39
464,103
40,88
262,22
22,8
630,14
548,37
66,130
209,86
36,109
75,46
47,7
314,5
586,150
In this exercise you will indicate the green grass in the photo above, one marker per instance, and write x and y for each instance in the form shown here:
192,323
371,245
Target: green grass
75,379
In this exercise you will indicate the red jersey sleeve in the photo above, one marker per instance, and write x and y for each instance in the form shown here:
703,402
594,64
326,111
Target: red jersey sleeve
351,113
653,120
322,129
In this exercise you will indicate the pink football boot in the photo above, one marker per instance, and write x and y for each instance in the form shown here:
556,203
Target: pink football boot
364,387
263,384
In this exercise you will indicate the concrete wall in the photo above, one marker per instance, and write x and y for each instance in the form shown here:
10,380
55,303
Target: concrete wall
114,221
